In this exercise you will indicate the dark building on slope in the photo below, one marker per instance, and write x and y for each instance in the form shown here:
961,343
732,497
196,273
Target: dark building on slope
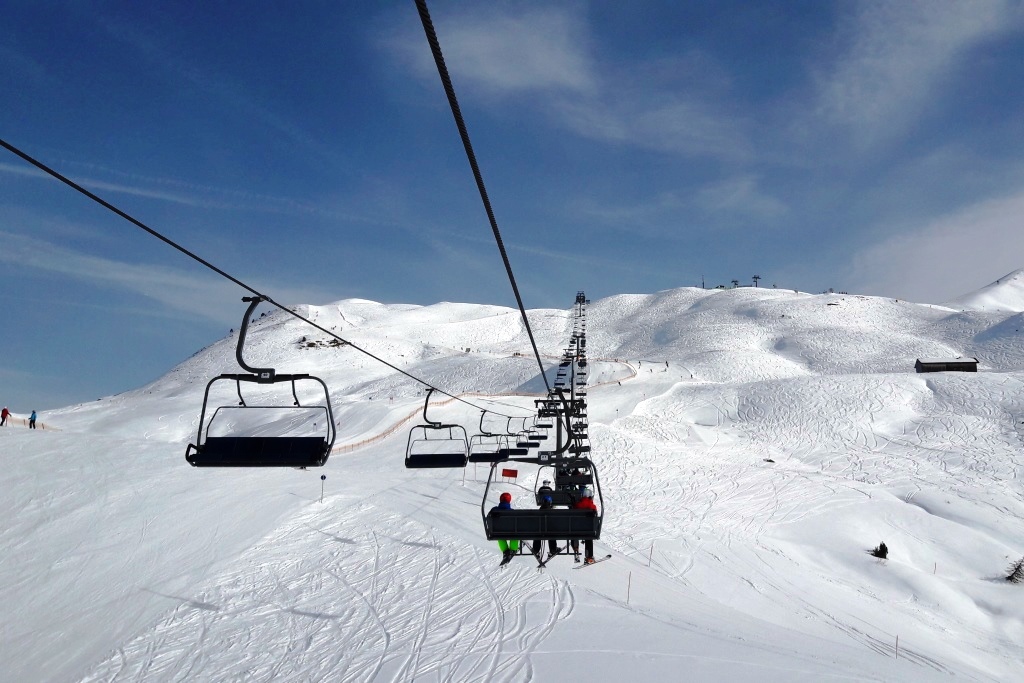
946,365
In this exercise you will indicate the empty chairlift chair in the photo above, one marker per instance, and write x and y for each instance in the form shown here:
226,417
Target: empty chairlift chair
487,447
252,437
435,445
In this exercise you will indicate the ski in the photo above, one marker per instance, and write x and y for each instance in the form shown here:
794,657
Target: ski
600,559
541,564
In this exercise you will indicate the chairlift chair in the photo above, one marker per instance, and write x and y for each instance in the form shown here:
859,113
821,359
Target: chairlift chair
249,450
487,447
555,524
435,445
525,440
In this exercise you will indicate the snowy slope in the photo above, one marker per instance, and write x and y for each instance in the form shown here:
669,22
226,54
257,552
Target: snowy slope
752,445
1005,294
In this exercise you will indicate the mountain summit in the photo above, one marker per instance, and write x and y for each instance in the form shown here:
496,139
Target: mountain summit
1005,294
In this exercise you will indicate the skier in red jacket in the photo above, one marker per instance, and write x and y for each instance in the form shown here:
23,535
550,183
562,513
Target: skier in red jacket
586,502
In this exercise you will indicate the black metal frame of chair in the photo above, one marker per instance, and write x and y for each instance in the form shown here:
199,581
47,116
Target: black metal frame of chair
242,450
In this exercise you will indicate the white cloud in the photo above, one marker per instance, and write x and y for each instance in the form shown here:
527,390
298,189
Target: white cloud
506,52
176,290
947,257
547,52
92,184
202,196
678,126
898,54
740,195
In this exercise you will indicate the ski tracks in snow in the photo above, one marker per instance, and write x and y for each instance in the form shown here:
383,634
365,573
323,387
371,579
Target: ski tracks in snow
340,600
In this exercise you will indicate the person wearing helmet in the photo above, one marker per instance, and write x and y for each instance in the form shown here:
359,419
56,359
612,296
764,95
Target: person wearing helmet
508,548
546,503
586,502
545,487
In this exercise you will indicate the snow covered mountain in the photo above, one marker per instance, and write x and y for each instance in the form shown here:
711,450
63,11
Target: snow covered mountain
753,445
1005,294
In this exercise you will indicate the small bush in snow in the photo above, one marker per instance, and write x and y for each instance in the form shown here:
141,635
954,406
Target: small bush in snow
881,552
1016,572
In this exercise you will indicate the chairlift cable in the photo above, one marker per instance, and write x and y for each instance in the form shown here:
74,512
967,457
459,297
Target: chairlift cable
139,224
449,89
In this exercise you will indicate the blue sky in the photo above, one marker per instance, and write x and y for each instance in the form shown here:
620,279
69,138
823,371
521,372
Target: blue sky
307,148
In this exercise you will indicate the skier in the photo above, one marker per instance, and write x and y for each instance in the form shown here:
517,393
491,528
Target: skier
545,487
508,548
4,414
586,502
547,503
32,420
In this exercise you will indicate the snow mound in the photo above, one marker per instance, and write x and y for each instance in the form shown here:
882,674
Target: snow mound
1005,294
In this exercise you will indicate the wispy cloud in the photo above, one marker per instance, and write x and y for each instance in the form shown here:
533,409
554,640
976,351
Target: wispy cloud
631,217
93,184
162,56
740,196
176,290
897,54
947,257
504,52
547,54
682,125
29,70
724,202
199,196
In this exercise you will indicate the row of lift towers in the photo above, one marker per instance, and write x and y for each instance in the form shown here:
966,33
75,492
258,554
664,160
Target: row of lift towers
555,439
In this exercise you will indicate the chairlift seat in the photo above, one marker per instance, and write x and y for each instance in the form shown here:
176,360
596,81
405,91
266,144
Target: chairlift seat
579,449
496,456
558,498
574,480
449,448
260,451
505,452
543,525
436,460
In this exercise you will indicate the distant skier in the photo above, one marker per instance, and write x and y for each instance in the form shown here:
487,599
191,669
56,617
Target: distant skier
586,502
32,420
508,548
4,414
